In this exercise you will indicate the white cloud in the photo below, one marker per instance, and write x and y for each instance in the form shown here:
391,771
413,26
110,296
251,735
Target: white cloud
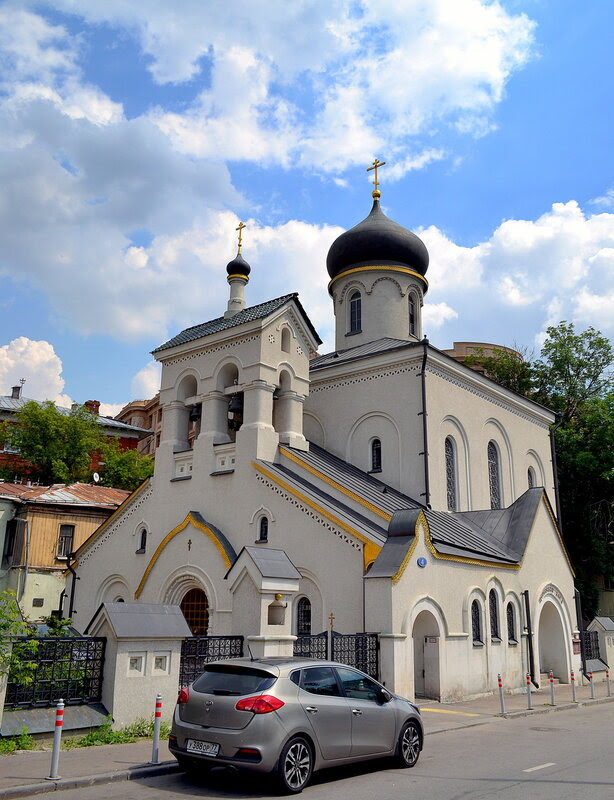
146,382
38,363
606,200
434,315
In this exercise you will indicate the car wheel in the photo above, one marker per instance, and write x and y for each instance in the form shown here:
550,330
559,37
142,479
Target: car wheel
295,766
408,748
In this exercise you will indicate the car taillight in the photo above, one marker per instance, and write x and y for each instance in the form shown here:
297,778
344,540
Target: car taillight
184,696
262,704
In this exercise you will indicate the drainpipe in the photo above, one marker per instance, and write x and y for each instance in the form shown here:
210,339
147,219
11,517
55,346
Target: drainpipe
557,500
427,489
527,609
71,557
22,589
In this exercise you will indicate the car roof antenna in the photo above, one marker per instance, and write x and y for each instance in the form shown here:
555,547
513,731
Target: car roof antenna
251,655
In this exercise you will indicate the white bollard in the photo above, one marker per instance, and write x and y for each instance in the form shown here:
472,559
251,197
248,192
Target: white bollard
501,698
529,698
552,700
590,677
155,750
607,680
573,686
57,739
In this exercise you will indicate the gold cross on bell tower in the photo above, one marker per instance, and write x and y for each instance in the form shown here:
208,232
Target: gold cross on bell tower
240,229
376,194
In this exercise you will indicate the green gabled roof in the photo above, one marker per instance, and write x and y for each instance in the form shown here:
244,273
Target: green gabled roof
250,314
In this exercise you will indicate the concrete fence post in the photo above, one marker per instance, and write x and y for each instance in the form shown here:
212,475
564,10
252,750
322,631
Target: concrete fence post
501,697
57,739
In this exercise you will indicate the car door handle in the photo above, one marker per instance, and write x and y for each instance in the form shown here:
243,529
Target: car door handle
357,712
311,709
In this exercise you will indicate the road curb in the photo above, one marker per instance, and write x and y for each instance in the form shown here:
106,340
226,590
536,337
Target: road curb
27,790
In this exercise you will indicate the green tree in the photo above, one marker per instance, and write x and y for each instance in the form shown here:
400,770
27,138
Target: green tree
57,445
17,651
512,370
124,469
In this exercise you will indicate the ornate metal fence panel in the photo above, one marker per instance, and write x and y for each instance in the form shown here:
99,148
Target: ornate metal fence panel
359,650
589,642
200,650
70,668
312,646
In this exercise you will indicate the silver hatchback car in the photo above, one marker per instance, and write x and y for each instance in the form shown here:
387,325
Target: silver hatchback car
289,717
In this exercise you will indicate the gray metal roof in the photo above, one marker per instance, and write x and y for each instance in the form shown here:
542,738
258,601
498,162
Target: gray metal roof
360,351
228,548
12,405
144,620
607,622
250,314
273,563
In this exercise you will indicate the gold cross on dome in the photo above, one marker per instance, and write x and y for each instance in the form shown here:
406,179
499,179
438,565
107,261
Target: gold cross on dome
240,229
376,163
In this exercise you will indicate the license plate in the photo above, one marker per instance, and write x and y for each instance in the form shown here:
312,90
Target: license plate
204,748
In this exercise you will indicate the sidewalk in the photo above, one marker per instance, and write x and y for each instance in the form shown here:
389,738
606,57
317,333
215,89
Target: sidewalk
23,773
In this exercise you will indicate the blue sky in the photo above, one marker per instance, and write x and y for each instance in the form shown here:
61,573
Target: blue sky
135,135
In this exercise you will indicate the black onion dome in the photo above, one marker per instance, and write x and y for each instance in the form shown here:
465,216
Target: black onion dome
238,266
377,241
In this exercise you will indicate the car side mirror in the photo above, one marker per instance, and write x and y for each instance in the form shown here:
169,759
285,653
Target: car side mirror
384,696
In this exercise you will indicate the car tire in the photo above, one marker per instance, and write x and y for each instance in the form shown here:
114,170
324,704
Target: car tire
295,766
408,746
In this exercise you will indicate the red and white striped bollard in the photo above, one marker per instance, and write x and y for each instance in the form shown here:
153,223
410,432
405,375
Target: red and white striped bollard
501,698
529,698
551,679
573,686
57,739
590,677
607,681
155,754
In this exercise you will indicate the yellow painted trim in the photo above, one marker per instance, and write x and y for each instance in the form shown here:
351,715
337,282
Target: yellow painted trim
238,275
111,519
370,550
558,532
190,519
378,268
461,559
399,573
335,485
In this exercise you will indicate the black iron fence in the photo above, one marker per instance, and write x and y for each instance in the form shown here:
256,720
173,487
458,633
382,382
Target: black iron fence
360,650
199,650
70,668
589,642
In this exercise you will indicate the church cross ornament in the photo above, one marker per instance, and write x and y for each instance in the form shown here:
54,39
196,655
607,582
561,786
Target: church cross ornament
240,229
376,163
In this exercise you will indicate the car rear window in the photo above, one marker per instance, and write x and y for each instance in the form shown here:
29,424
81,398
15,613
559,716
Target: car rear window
233,680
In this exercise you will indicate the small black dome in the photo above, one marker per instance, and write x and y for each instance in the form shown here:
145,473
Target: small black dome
377,241
238,266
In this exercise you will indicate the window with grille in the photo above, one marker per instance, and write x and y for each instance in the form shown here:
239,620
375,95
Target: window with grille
303,617
511,623
412,315
476,623
263,529
531,478
451,488
494,475
493,607
376,456
355,313
195,608
65,540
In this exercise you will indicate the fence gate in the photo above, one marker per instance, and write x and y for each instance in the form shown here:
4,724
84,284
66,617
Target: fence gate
70,668
589,643
200,650
360,650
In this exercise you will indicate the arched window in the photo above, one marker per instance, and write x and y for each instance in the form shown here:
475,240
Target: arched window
412,316
451,487
142,541
263,529
303,617
195,608
494,475
376,456
511,623
493,607
476,624
531,478
285,340
355,313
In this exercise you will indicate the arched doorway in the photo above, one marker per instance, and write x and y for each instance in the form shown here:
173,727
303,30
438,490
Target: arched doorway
426,638
195,607
552,648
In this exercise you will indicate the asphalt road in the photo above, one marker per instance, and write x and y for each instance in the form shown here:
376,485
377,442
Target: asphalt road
568,754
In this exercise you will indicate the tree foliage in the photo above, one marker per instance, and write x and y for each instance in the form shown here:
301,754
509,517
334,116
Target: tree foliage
16,650
124,469
56,445
573,377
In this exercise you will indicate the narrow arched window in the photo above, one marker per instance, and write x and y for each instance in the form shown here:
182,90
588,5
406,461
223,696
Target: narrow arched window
142,541
511,623
285,340
412,315
476,625
355,313
451,487
494,475
493,607
531,478
376,456
263,529
303,617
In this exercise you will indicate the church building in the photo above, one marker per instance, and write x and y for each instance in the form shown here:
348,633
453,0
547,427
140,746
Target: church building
385,486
